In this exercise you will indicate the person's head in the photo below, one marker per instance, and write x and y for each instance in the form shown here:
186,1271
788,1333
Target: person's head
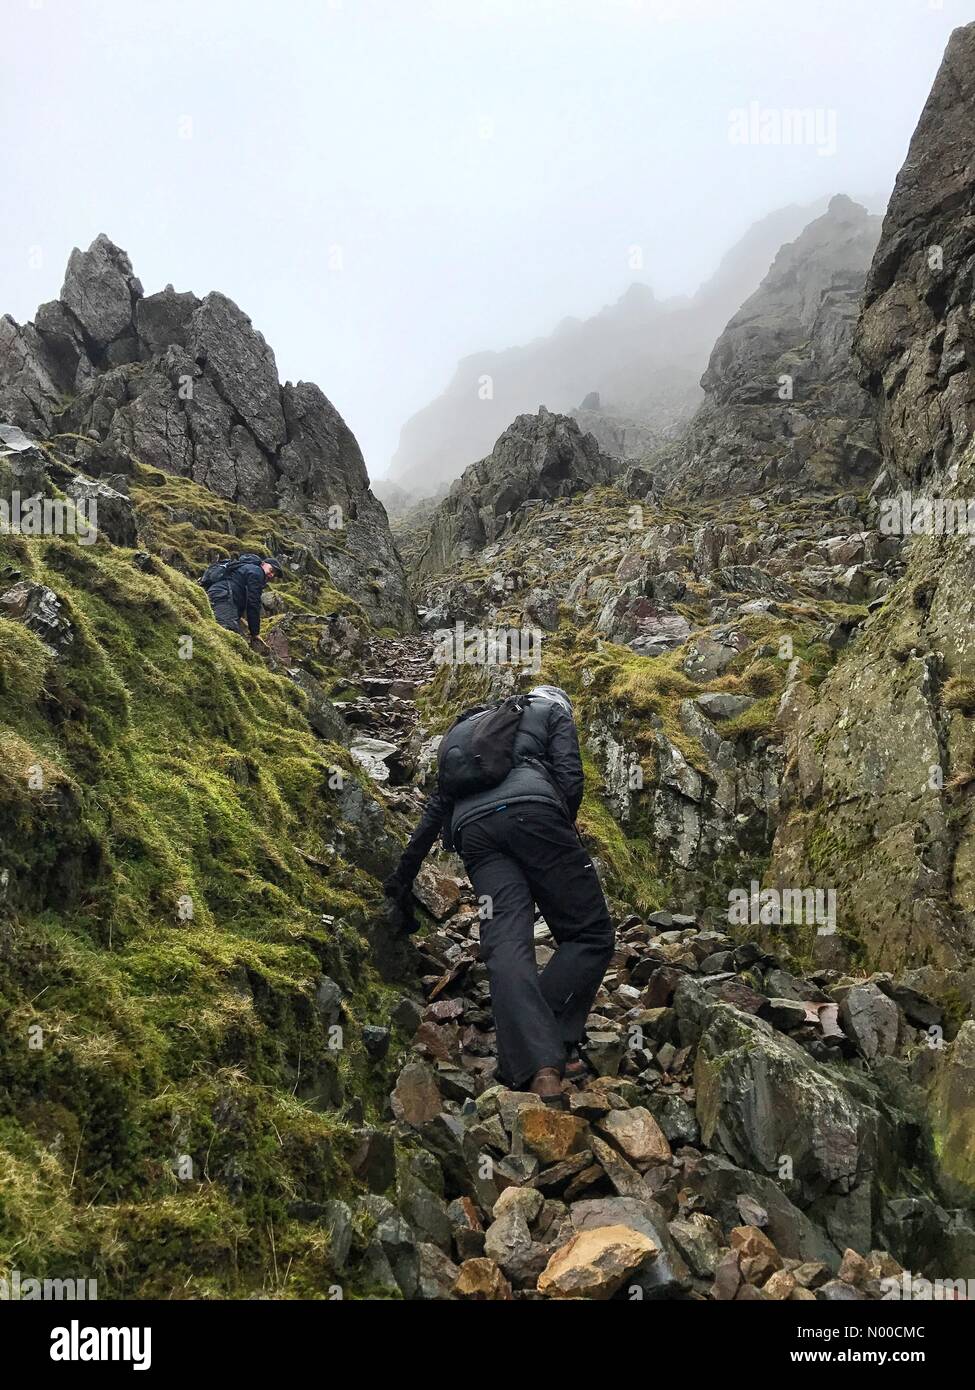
272,567
554,693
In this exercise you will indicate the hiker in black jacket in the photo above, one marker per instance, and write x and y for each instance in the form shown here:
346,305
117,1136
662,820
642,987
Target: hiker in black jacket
520,848
235,592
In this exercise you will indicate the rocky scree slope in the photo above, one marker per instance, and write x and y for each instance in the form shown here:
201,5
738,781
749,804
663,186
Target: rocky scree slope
189,386
765,679
746,1133
683,633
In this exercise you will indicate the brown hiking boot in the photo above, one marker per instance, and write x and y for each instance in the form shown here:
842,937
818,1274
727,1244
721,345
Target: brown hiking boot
547,1083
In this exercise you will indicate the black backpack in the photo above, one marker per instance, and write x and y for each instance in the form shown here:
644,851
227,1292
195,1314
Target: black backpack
218,571
477,751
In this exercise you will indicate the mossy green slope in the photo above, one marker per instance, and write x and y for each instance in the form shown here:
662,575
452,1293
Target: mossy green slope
170,897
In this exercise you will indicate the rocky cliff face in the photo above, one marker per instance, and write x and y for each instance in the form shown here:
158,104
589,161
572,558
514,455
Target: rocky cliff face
914,340
537,458
782,406
189,386
880,774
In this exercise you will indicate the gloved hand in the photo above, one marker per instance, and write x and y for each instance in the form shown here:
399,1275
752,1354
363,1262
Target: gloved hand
400,897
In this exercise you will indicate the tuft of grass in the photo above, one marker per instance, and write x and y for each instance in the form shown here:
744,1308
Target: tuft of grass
24,664
959,693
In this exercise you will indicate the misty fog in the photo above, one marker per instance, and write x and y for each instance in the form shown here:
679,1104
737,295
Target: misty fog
385,186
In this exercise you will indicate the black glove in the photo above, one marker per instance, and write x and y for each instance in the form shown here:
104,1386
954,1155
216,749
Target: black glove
393,886
400,897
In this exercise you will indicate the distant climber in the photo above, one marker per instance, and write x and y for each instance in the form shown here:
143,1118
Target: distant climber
234,588
509,787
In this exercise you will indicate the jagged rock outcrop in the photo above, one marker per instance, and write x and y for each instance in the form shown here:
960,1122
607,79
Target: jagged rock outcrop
782,404
189,386
539,457
879,795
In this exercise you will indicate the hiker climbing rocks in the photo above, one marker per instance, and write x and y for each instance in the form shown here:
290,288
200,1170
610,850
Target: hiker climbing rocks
510,784
234,588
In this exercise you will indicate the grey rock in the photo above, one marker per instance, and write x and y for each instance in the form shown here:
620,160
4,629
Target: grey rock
676,1118
666,1273
407,1015
328,1000
425,1211
396,1241
718,706
372,1158
871,1020
322,715
111,512
760,1095
538,456
40,610
338,1222
164,319
240,365
700,1241
100,290
785,1014
376,1041
437,1273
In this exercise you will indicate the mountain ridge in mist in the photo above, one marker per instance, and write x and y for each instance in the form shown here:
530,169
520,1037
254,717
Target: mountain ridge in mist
642,355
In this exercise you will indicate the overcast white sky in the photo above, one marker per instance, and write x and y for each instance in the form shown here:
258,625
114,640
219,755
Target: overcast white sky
484,165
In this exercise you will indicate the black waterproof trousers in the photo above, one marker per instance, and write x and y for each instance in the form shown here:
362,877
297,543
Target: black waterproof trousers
516,857
224,607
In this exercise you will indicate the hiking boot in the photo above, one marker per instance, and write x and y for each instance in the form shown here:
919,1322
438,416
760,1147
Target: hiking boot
547,1083
578,1068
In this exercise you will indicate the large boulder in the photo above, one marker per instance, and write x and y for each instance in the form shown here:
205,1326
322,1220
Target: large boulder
763,1101
100,291
240,366
539,456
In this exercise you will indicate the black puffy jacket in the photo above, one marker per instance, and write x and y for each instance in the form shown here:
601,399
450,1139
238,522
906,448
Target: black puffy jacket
246,582
547,767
